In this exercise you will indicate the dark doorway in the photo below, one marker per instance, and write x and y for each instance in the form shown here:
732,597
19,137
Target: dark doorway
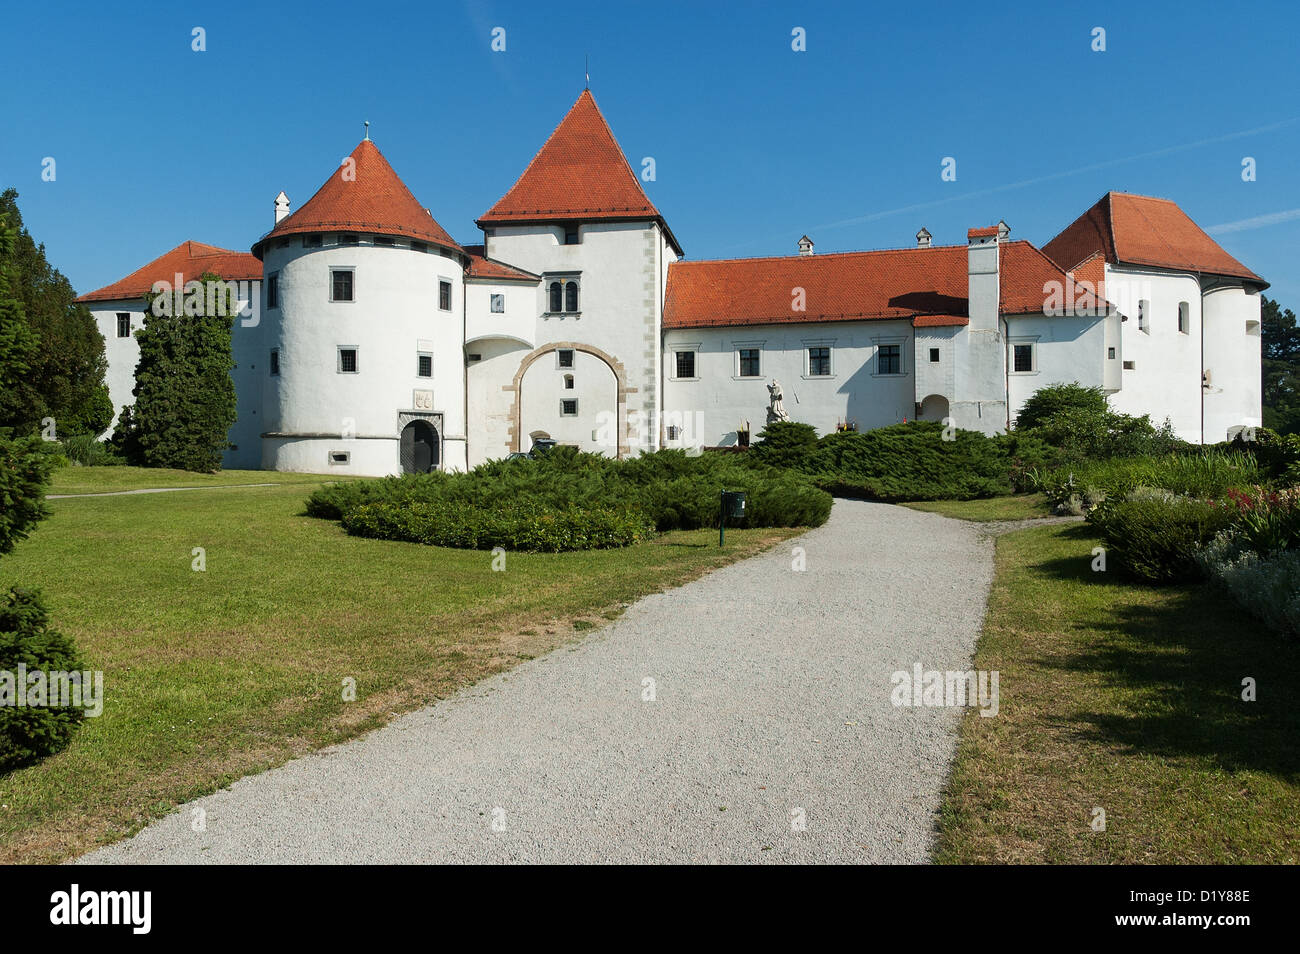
419,448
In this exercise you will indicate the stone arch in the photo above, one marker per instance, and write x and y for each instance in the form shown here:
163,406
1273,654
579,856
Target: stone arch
620,380
933,408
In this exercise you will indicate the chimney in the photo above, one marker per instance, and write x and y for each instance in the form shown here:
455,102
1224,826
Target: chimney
805,246
1003,230
923,238
281,207
982,288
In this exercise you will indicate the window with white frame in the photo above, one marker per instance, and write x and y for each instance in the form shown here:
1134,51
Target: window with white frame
749,363
562,295
444,295
123,324
564,358
341,285
1024,357
684,364
347,359
569,407
424,365
498,303
889,359
819,361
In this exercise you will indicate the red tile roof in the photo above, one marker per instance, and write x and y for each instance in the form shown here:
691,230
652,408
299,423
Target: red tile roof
989,232
190,259
910,283
580,174
939,321
1141,230
483,267
373,198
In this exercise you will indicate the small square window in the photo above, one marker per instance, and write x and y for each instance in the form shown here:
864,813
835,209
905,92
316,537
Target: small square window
123,324
889,359
275,361
571,235
674,431
568,382
1130,365
311,241
419,247
819,362
340,457
750,364
1110,353
686,364
1023,358
565,357
347,360
934,355
569,407
341,285
424,365
273,290
498,303
444,295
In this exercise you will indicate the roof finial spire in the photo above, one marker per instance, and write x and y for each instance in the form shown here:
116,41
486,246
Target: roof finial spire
586,67
367,130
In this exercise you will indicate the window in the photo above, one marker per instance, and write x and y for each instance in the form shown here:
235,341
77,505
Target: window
347,360
1022,358
444,295
1110,354
123,324
686,364
275,361
419,247
568,382
273,290
347,240
565,357
340,457
341,284
311,241
889,359
934,355
569,407
1130,365
750,365
570,235
384,240
819,362
424,365
562,296
1144,306
1183,315
498,303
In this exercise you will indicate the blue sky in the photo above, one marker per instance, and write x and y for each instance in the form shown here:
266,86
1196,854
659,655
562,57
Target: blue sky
754,144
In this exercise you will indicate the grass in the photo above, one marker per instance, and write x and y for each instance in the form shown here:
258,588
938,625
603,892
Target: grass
1022,507
1126,698
102,480
209,676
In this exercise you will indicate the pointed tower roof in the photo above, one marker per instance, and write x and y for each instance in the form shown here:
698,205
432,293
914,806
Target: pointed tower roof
365,195
1141,230
580,173
189,260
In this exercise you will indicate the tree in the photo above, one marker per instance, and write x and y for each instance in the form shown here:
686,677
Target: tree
1047,404
26,639
184,396
65,374
1280,347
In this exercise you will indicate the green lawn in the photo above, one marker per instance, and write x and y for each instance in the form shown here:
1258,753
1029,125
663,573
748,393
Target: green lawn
1023,507
212,675
100,480
1126,698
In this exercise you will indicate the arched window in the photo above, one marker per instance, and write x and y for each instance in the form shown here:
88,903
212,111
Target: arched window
570,296
556,300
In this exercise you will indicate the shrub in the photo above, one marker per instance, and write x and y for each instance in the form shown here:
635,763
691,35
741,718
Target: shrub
85,450
520,527
1045,405
1265,586
1154,537
29,733
669,489
1267,520
785,444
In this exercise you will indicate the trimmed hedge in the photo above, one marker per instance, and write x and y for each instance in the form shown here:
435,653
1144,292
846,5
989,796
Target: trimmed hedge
572,496
1155,537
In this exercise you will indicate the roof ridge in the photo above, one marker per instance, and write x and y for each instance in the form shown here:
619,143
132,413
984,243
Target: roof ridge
825,255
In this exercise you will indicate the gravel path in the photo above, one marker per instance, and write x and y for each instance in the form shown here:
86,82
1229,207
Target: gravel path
772,704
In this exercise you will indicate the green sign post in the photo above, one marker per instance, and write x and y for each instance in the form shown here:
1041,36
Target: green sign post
732,504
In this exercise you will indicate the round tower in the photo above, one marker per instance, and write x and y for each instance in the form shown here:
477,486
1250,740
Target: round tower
365,310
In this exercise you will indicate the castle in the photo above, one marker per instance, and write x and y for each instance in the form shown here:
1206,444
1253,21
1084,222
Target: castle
376,344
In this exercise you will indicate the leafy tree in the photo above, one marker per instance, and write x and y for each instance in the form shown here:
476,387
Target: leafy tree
64,375
1281,367
31,732
184,396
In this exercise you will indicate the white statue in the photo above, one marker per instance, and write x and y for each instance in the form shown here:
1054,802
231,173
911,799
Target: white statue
776,408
